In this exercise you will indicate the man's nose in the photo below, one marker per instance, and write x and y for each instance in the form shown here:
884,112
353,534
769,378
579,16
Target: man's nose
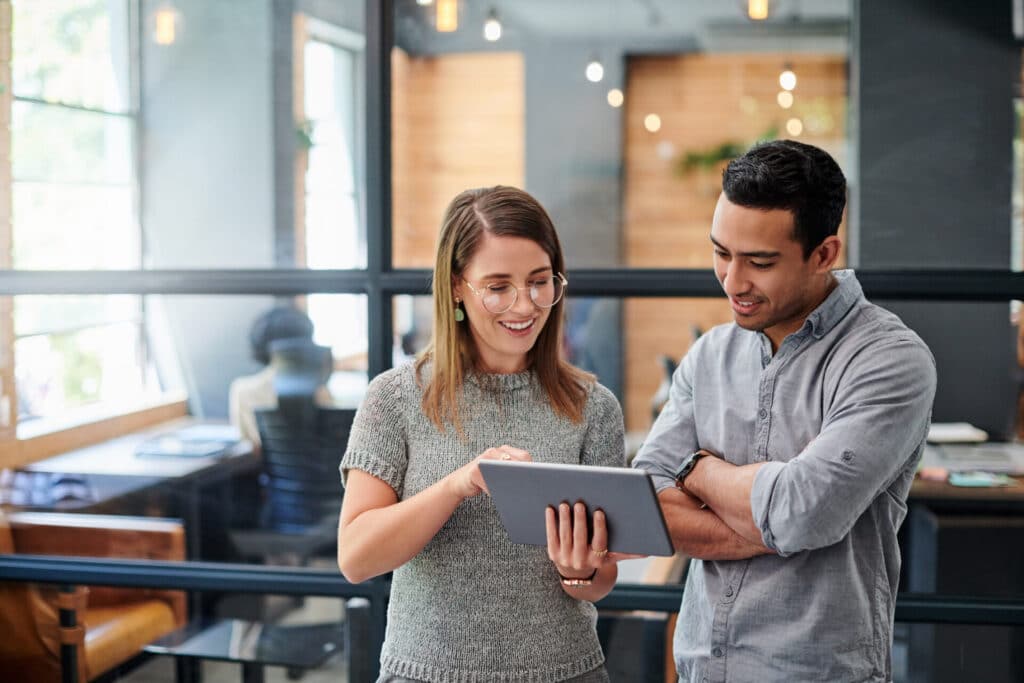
734,279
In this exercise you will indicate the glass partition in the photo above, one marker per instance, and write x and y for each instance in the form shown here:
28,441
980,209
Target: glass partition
618,116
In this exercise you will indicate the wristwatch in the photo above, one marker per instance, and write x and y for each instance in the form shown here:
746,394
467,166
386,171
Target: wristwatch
688,464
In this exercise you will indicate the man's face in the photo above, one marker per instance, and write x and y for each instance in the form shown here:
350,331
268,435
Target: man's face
761,267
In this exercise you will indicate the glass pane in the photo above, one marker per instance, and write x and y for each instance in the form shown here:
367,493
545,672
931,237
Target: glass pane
201,360
36,315
617,116
54,144
260,160
72,51
59,373
104,235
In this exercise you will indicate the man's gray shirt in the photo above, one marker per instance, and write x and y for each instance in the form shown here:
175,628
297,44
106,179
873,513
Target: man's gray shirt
839,416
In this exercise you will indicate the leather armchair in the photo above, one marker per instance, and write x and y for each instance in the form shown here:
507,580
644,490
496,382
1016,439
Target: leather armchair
114,624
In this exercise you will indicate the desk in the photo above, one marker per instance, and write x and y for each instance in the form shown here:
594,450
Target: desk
102,477
969,541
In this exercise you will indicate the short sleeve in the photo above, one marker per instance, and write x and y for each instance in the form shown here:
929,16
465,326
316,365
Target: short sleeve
377,442
604,443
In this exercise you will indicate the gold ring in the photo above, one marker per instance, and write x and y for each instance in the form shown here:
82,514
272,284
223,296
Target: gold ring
601,553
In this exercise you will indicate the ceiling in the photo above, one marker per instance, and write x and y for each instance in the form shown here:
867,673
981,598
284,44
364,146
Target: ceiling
695,22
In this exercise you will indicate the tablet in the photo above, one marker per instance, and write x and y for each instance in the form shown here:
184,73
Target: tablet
522,490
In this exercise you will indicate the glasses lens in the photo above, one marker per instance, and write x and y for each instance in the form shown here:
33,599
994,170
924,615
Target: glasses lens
499,298
546,293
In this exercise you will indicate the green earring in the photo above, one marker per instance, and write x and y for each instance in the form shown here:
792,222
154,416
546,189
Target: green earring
460,315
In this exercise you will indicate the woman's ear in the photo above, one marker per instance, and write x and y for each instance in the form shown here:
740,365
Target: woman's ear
457,288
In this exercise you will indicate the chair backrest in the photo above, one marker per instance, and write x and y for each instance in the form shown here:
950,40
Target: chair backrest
302,447
300,367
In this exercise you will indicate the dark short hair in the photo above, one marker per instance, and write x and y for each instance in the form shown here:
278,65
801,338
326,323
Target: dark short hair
280,322
790,175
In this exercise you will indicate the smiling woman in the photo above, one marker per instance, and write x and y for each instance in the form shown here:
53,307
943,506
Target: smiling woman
492,384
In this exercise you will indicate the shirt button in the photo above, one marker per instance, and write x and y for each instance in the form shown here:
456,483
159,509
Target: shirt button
717,652
762,413
728,592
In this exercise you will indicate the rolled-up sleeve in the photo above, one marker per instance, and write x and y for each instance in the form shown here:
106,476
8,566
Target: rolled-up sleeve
674,434
873,429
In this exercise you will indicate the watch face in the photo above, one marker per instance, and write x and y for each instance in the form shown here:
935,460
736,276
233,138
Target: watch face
687,467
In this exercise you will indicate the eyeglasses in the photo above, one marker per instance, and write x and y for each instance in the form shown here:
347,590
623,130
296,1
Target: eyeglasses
499,297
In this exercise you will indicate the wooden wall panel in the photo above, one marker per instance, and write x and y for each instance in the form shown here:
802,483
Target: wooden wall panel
458,121
703,100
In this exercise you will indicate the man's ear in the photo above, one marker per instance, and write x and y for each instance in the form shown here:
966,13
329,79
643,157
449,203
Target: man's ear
826,254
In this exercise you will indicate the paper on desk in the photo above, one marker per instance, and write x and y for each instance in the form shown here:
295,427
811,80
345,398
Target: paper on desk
980,479
956,432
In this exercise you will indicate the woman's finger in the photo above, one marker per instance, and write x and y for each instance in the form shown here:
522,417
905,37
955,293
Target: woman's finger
618,557
599,544
579,535
564,528
513,453
551,525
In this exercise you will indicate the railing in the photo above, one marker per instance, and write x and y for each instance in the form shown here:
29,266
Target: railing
237,578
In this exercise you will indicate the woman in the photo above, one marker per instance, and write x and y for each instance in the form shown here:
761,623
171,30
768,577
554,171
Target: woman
467,604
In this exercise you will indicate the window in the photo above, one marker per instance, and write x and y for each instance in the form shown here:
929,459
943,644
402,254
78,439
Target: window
73,164
332,205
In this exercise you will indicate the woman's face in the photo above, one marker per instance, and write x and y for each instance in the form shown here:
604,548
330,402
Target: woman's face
500,265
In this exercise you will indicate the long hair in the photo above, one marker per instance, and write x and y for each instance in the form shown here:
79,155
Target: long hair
500,211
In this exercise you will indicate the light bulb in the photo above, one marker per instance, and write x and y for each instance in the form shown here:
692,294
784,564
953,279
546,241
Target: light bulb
447,16
757,10
615,97
595,72
492,28
785,99
794,127
787,79
652,122
167,20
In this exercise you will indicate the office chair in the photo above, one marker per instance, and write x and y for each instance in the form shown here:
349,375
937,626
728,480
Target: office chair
302,444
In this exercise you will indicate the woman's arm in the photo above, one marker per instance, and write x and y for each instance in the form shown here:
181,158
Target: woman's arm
378,533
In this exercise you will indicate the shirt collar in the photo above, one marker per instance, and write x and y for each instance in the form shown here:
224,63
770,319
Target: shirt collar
836,305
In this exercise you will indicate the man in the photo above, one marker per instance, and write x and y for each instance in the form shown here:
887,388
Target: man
786,451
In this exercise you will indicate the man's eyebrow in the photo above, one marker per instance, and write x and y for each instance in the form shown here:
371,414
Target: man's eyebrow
749,254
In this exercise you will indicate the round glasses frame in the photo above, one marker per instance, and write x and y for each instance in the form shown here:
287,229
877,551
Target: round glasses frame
515,297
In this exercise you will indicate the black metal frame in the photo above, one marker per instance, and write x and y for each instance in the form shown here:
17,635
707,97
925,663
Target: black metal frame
224,577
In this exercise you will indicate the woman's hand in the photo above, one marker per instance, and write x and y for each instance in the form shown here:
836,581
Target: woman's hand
467,481
574,555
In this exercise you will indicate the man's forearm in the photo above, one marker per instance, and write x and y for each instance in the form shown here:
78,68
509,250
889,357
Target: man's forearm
701,533
726,488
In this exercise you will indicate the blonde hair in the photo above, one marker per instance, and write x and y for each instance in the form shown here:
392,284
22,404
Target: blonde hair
500,211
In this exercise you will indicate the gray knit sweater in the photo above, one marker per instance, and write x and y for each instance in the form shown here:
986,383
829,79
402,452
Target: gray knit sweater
472,606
